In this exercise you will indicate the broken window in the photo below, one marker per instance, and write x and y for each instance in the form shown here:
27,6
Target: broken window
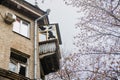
48,32
18,64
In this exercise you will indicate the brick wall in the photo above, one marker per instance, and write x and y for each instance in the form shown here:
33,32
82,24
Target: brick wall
10,39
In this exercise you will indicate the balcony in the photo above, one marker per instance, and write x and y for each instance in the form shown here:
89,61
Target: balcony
49,56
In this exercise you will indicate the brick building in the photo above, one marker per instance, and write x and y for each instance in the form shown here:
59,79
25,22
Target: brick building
29,45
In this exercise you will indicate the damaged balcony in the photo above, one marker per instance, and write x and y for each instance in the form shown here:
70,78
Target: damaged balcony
49,56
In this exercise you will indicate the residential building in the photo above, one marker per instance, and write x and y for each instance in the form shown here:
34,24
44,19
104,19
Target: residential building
27,51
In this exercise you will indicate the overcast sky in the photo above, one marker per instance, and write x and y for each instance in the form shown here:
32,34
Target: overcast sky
65,16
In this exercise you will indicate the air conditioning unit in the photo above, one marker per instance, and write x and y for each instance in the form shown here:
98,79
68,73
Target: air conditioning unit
9,18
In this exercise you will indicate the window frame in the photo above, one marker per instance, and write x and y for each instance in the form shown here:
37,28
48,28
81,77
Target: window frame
19,64
19,31
17,70
48,29
45,32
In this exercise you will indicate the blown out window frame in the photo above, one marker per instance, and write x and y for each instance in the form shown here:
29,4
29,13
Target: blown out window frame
19,64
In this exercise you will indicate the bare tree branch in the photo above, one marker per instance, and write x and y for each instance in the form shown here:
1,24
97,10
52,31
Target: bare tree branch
118,4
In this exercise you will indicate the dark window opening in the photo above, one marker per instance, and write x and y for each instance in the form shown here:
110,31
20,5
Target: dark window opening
18,57
22,70
1,1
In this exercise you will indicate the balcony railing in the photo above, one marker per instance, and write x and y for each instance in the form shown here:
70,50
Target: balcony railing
49,47
49,56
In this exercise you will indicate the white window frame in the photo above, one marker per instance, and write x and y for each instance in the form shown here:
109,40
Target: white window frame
13,63
18,65
46,34
17,27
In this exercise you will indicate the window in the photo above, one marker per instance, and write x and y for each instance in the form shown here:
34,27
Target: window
18,64
22,27
48,32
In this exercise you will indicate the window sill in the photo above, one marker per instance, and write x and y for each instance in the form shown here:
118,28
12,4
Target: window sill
11,75
22,35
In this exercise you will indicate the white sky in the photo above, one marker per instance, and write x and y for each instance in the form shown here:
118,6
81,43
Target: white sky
65,16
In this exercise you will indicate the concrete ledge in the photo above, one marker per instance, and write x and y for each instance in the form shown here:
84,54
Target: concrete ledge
11,75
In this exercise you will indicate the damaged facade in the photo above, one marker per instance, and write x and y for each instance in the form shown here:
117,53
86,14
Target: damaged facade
26,53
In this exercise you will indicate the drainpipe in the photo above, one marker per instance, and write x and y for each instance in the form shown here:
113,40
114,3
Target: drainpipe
35,42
